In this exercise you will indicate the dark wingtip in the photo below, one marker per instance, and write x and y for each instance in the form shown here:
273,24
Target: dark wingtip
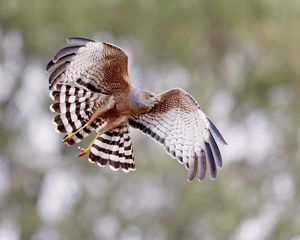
56,73
62,61
211,161
215,149
217,132
78,40
201,166
49,65
192,169
65,51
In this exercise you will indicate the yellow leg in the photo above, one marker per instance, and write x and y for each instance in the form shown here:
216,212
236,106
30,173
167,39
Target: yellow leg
69,137
109,104
84,151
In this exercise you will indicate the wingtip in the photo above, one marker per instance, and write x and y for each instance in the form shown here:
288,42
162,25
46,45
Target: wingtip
211,160
63,52
201,178
224,142
217,132
215,149
213,178
78,40
49,65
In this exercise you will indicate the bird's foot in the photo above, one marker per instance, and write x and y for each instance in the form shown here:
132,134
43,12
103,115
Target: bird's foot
83,151
68,137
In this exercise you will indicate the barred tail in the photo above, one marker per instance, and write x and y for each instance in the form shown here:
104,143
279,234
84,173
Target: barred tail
115,149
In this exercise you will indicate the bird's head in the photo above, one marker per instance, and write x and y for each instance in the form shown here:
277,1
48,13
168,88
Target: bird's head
149,99
144,100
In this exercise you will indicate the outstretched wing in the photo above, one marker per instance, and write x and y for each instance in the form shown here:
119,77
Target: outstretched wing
178,123
98,67
74,107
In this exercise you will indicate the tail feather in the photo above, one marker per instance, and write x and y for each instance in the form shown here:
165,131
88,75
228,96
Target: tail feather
115,149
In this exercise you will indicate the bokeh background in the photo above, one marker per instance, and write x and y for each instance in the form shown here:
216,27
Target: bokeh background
239,59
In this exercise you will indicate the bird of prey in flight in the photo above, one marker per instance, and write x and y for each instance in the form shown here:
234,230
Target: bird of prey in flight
92,93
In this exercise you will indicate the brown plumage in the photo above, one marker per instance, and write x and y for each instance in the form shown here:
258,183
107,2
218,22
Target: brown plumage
90,87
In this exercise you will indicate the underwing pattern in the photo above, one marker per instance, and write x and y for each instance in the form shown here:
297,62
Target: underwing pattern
91,93
184,130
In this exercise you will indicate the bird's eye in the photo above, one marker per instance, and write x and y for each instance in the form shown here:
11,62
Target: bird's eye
149,96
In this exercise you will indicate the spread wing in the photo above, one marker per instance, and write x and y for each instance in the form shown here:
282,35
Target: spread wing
186,133
99,67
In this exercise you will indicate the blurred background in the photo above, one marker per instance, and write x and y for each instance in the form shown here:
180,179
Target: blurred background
239,59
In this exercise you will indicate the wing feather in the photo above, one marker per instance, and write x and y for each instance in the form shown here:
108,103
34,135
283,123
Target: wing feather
211,160
65,51
98,67
216,131
202,165
78,41
64,60
178,123
74,106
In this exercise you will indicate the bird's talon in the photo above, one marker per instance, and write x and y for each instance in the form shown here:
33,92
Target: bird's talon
67,138
83,151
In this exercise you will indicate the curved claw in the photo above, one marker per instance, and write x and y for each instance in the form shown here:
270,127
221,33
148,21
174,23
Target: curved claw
68,138
83,151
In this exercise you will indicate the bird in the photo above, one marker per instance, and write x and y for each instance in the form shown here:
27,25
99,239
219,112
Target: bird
92,95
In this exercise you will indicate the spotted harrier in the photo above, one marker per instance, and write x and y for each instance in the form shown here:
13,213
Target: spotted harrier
92,93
